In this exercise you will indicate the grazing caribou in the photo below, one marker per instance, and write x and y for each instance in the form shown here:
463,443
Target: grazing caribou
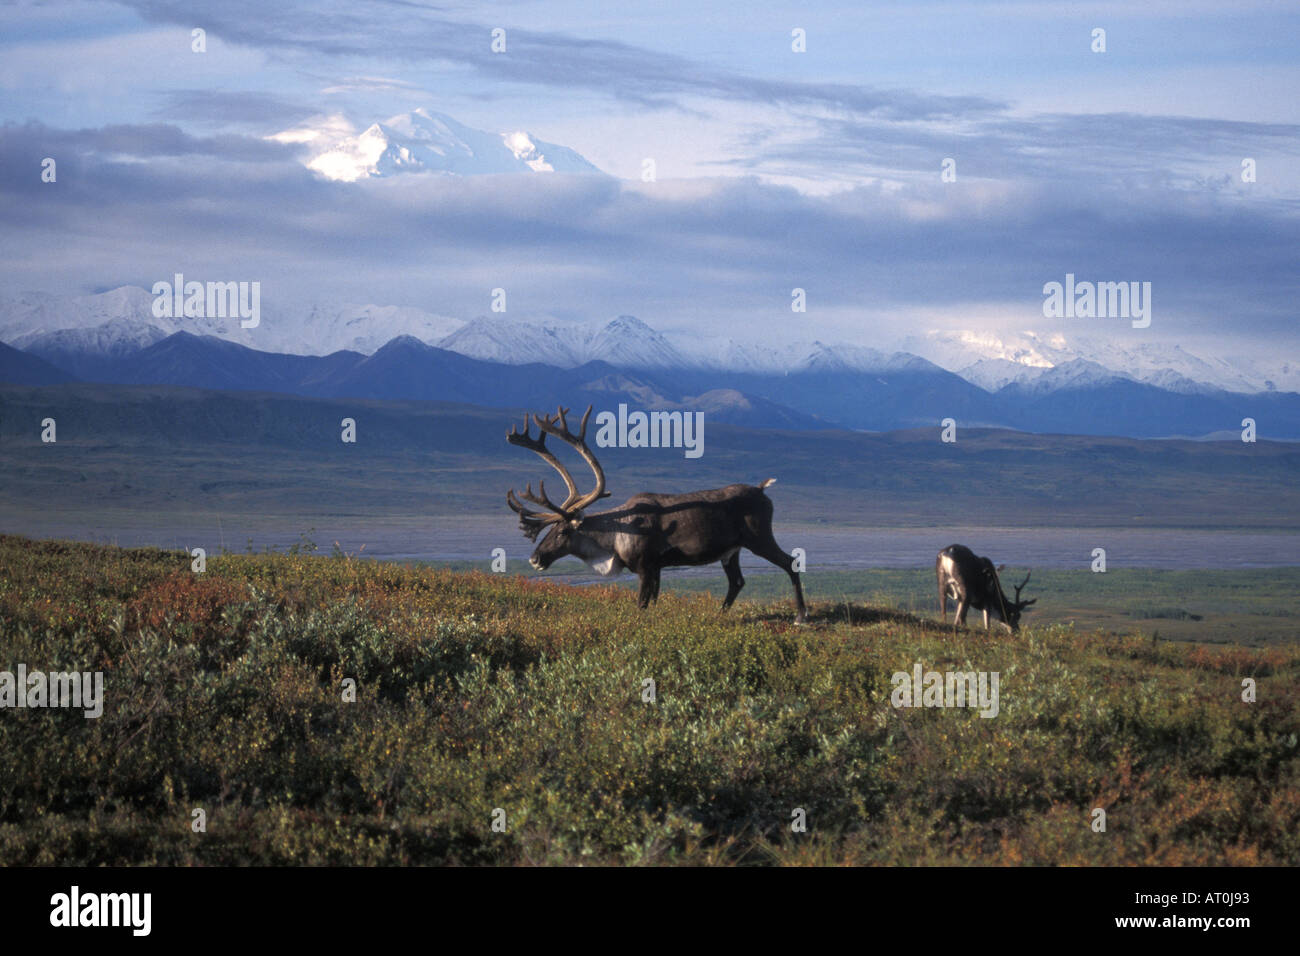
974,582
648,532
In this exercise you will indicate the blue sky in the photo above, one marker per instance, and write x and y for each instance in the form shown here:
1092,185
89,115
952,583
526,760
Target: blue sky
775,169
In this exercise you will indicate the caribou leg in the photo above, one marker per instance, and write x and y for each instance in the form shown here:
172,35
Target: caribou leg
649,587
943,596
735,580
769,550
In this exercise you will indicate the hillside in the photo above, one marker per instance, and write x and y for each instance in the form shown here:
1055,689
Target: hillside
480,695
20,368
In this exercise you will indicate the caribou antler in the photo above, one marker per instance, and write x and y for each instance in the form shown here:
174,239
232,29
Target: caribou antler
532,521
1020,586
538,445
547,424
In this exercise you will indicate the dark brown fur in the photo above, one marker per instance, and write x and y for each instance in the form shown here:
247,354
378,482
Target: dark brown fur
974,582
650,532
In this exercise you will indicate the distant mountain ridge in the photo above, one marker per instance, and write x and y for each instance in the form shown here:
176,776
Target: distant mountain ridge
405,369
908,393
393,352
82,330
994,360
74,329
77,332
626,342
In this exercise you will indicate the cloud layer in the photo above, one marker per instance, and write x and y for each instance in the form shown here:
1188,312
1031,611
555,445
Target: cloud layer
811,180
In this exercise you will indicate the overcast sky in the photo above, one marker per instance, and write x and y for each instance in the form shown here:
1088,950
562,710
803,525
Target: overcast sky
775,169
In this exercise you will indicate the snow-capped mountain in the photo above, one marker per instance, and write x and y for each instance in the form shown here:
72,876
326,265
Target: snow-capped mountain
1077,373
513,343
626,342
121,321
425,141
361,328
992,374
717,352
116,322
992,361
630,343
34,313
77,332
820,357
727,354
957,350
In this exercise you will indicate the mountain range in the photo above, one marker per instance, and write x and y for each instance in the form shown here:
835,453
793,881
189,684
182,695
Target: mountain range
1033,383
70,330
908,393
403,369
992,361
78,331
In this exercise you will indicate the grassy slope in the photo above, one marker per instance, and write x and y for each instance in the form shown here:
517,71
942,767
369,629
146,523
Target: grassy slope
481,691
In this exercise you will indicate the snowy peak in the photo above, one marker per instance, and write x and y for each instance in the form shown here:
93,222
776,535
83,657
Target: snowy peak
37,312
626,342
326,328
527,152
512,343
121,321
121,336
992,374
1078,373
955,350
429,142
630,343
821,357
725,354
994,361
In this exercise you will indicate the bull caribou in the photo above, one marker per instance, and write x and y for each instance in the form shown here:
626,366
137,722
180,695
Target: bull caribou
974,582
648,532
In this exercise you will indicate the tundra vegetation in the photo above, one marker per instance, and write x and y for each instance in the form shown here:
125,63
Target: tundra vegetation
475,691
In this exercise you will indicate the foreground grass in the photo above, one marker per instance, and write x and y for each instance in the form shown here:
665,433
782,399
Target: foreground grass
477,692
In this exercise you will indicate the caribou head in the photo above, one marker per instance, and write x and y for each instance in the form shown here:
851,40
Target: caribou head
1012,609
562,522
